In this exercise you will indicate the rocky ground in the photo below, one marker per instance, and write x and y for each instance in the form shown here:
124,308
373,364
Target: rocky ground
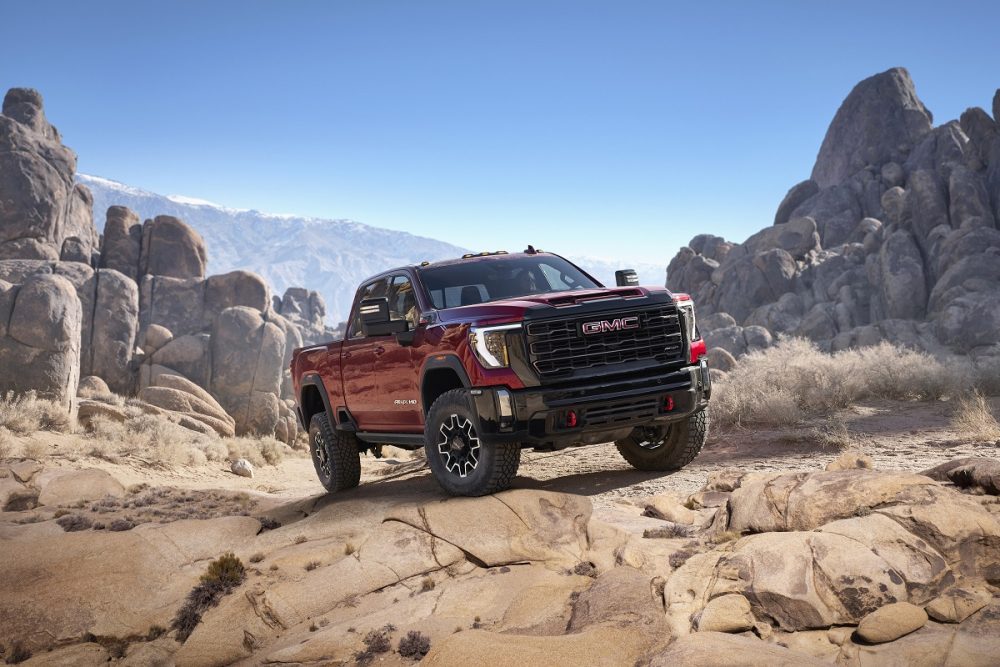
754,552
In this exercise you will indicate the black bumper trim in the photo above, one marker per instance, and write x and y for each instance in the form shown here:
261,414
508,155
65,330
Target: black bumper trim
539,413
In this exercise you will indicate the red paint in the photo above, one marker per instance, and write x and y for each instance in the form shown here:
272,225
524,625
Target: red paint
378,380
698,350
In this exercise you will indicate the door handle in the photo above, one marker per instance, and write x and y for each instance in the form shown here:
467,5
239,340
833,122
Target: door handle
379,350
347,355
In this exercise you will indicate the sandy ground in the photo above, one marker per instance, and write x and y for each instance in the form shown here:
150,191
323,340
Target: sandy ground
897,435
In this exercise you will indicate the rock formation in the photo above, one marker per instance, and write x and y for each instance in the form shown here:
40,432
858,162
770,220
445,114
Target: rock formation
134,309
847,567
894,237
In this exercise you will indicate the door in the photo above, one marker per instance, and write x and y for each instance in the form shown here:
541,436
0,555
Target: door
396,365
358,361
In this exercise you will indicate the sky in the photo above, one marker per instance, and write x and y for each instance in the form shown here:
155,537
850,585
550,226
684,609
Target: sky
613,129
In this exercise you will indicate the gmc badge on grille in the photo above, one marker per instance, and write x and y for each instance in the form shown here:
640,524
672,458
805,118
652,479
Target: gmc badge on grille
602,326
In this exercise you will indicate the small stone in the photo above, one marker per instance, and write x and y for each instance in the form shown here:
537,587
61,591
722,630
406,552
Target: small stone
242,468
839,635
891,622
726,613
669,508
851,460
958,603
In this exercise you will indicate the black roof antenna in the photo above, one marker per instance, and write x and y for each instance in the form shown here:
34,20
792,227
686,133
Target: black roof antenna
531,250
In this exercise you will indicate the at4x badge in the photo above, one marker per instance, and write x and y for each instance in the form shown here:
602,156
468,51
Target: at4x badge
617,324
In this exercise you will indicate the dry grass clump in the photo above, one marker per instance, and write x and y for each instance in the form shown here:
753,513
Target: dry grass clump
224,574
794,380
258,450
26,413
6,443
974,418
156,438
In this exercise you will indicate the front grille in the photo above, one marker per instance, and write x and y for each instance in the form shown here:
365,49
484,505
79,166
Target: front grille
558,347
625,411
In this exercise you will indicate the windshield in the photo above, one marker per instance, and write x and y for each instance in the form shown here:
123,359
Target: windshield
480,281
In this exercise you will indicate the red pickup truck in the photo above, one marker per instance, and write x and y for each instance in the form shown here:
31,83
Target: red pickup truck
474,359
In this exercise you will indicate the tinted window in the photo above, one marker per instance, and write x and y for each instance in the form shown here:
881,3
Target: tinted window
479,281
403,300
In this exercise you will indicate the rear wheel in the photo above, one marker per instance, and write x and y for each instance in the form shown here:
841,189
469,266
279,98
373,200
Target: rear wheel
335,454
669,447
461,463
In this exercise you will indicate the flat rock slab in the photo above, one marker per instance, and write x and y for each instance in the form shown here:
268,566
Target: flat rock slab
85,485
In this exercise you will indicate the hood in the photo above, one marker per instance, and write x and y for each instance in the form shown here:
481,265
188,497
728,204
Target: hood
550,304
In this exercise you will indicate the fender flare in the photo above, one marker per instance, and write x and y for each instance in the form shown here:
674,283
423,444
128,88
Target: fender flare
313,380
442,362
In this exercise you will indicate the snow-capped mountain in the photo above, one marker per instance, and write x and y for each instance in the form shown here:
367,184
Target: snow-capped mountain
329,256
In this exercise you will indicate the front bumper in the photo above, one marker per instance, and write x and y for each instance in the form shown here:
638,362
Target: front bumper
601,409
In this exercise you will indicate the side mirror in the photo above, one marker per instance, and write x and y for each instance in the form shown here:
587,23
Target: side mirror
626,278
375,319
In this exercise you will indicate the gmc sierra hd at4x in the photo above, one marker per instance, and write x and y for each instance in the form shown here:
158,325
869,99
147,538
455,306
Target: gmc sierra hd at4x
474,359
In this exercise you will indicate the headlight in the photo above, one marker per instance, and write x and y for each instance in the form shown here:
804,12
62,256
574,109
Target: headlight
490,344
686,309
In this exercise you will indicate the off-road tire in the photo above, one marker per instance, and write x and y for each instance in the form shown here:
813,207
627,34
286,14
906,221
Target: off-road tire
682,443
496,465
335,454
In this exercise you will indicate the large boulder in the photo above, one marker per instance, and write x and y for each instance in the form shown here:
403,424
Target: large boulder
798,193
901,277
112,336
122,242
746,282
171,248
247,354
306,309
798,237
880,121
41,351
178,394
40,206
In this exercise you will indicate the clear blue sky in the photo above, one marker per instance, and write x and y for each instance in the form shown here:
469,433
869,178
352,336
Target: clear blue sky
611,129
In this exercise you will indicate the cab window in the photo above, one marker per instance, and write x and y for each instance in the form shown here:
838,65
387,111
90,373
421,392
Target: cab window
403,300
372,290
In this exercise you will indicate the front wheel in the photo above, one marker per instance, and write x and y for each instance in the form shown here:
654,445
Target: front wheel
461,463
335,455
663,448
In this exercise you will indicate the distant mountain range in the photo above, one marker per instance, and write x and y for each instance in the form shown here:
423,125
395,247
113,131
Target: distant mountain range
329,256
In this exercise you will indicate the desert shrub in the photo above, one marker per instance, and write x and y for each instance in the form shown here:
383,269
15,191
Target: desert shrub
585,569
227,569
376,642
426,584
794,380
267,523
119,525
974,418
26,413
74,522
312,565
414,645
224,574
